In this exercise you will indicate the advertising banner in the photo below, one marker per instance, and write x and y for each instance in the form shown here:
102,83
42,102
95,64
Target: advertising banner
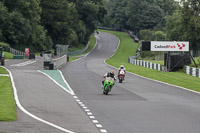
26,51
169,46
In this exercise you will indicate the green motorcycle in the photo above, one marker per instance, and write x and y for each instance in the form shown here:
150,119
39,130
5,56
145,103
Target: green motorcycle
108,84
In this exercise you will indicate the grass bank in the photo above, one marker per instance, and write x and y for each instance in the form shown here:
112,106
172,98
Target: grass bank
8,55
128,48
7,102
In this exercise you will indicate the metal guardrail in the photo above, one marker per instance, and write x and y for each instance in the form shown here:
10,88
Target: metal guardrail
78,52
62,49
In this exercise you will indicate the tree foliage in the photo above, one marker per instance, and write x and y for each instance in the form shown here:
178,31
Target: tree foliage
40,24
184,24
22,28
137,15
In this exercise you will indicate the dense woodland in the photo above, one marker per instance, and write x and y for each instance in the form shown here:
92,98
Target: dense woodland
157,19
41,24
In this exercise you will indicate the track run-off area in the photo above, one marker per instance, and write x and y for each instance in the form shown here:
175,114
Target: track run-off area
71,99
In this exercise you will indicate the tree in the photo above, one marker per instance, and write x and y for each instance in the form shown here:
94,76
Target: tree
191,22
90,12
57,20
174,26
3,16
146,35
159,36
71,22
117,13
22,27
144,19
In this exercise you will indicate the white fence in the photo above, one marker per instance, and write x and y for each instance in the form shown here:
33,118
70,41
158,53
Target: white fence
16,52
147,64
192,71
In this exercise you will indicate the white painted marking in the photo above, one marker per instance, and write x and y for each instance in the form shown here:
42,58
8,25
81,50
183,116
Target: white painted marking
72,93
85,107
103,131
87,110
95,121
92,117
4,75
75,97
82,105
78,100
99,125
89,113
24,63
28,113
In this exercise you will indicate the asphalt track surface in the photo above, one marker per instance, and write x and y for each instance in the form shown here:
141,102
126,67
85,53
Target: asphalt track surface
43,98
138,105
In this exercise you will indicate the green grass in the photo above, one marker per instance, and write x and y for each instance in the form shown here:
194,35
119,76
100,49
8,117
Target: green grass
197,59
73,58
8,55
7,102
91,46
128,48
37,54
72,49
3,71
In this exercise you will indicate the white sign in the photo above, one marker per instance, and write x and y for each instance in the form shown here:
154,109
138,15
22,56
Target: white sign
169,46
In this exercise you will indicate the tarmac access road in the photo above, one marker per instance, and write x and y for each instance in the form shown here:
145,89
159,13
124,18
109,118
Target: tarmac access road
41,97
137,105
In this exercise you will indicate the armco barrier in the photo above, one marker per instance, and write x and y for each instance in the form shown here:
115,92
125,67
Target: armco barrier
18,57
147,64
78,51
192,71
58,62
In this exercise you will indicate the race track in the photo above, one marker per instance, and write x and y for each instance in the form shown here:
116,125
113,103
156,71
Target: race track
138,105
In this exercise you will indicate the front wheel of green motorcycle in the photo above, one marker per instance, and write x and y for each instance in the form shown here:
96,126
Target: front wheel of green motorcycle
107,90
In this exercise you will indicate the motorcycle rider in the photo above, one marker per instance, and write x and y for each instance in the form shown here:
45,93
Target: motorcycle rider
109,74
122,68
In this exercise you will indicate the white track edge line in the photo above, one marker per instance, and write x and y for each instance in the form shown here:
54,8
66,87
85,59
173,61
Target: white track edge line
28,113
72,92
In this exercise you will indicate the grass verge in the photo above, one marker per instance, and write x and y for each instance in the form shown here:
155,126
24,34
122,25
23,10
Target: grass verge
7,102
8,55
3,71
128,48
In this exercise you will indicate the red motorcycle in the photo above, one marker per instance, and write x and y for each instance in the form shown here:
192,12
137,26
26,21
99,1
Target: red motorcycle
121,76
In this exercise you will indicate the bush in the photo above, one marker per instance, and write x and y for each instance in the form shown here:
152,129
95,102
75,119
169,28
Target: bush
146,35
5,46
159,36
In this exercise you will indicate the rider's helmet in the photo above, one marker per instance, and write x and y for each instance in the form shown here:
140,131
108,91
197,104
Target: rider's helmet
122,67
112,73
